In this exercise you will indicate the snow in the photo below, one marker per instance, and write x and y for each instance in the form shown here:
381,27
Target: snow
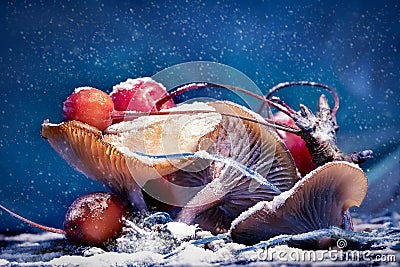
137,124
109,259
247,213
164,134
130,83
174,247
81,88
193,256
94,204
45,236
180,230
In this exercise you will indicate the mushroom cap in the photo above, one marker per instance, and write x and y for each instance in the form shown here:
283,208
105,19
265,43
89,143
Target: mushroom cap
230,192
318,201
110,158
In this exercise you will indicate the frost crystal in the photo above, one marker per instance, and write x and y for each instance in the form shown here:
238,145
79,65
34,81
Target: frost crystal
81,88
96,205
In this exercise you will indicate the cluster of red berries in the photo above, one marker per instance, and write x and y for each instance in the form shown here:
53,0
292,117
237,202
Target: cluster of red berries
98,109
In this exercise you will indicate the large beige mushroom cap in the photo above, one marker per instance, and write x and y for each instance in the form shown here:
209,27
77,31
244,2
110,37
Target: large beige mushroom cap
110,158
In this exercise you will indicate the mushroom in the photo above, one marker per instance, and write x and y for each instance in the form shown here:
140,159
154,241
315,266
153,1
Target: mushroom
230,192
110,158
320,200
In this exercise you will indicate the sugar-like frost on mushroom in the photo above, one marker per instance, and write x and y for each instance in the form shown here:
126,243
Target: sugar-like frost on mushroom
109,159
230,192
320,200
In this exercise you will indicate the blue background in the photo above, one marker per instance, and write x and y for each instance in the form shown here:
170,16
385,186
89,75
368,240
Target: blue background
50,47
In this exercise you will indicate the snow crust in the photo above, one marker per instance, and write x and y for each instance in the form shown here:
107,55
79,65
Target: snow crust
81,88
46,236
181,230
164,134
131,83
109,259
247,213
138,123
95,204
48,249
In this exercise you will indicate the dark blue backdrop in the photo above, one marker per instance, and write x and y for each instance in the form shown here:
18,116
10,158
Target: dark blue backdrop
50,47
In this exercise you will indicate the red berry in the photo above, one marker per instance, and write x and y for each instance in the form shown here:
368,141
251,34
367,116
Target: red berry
89,105
296,146
94,219
138,95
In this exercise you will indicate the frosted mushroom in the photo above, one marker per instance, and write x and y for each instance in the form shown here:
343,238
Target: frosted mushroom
110,159
319,200
230,192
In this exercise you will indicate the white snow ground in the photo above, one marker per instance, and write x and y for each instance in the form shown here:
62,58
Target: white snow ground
170,245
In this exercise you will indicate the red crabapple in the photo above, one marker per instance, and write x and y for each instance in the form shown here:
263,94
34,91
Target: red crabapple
296,145
89,105
93,219
139,95
98,109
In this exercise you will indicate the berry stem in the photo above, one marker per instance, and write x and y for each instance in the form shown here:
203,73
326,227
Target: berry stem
31,223
195,86
267,122
332,91
280,105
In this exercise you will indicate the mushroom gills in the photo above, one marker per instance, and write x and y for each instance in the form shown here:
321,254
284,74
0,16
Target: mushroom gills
320,200
109,157
230,192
